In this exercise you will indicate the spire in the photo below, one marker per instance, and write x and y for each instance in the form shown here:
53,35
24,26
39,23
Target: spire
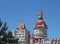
40,14
40,22
22,25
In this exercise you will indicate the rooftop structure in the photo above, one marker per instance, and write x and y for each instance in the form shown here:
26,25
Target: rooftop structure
40,35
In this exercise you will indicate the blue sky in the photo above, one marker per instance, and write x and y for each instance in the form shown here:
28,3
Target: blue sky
15,11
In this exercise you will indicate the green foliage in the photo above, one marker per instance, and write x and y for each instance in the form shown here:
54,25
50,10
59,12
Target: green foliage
3,28
0,22
6,36
9,34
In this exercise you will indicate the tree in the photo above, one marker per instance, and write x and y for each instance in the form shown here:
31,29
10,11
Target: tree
3,28
9,34
6,37
3,33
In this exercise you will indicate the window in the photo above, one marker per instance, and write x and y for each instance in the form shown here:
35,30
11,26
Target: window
20,36
23,36
22,31
16,31
16,34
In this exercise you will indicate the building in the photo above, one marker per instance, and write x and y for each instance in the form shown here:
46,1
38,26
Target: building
40,29
40,32
22,34
40,35
32,39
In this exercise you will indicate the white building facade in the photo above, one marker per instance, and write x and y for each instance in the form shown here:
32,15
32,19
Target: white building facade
40,32
40,35
22,34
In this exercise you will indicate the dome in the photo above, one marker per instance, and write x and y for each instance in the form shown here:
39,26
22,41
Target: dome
38,26
40,21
